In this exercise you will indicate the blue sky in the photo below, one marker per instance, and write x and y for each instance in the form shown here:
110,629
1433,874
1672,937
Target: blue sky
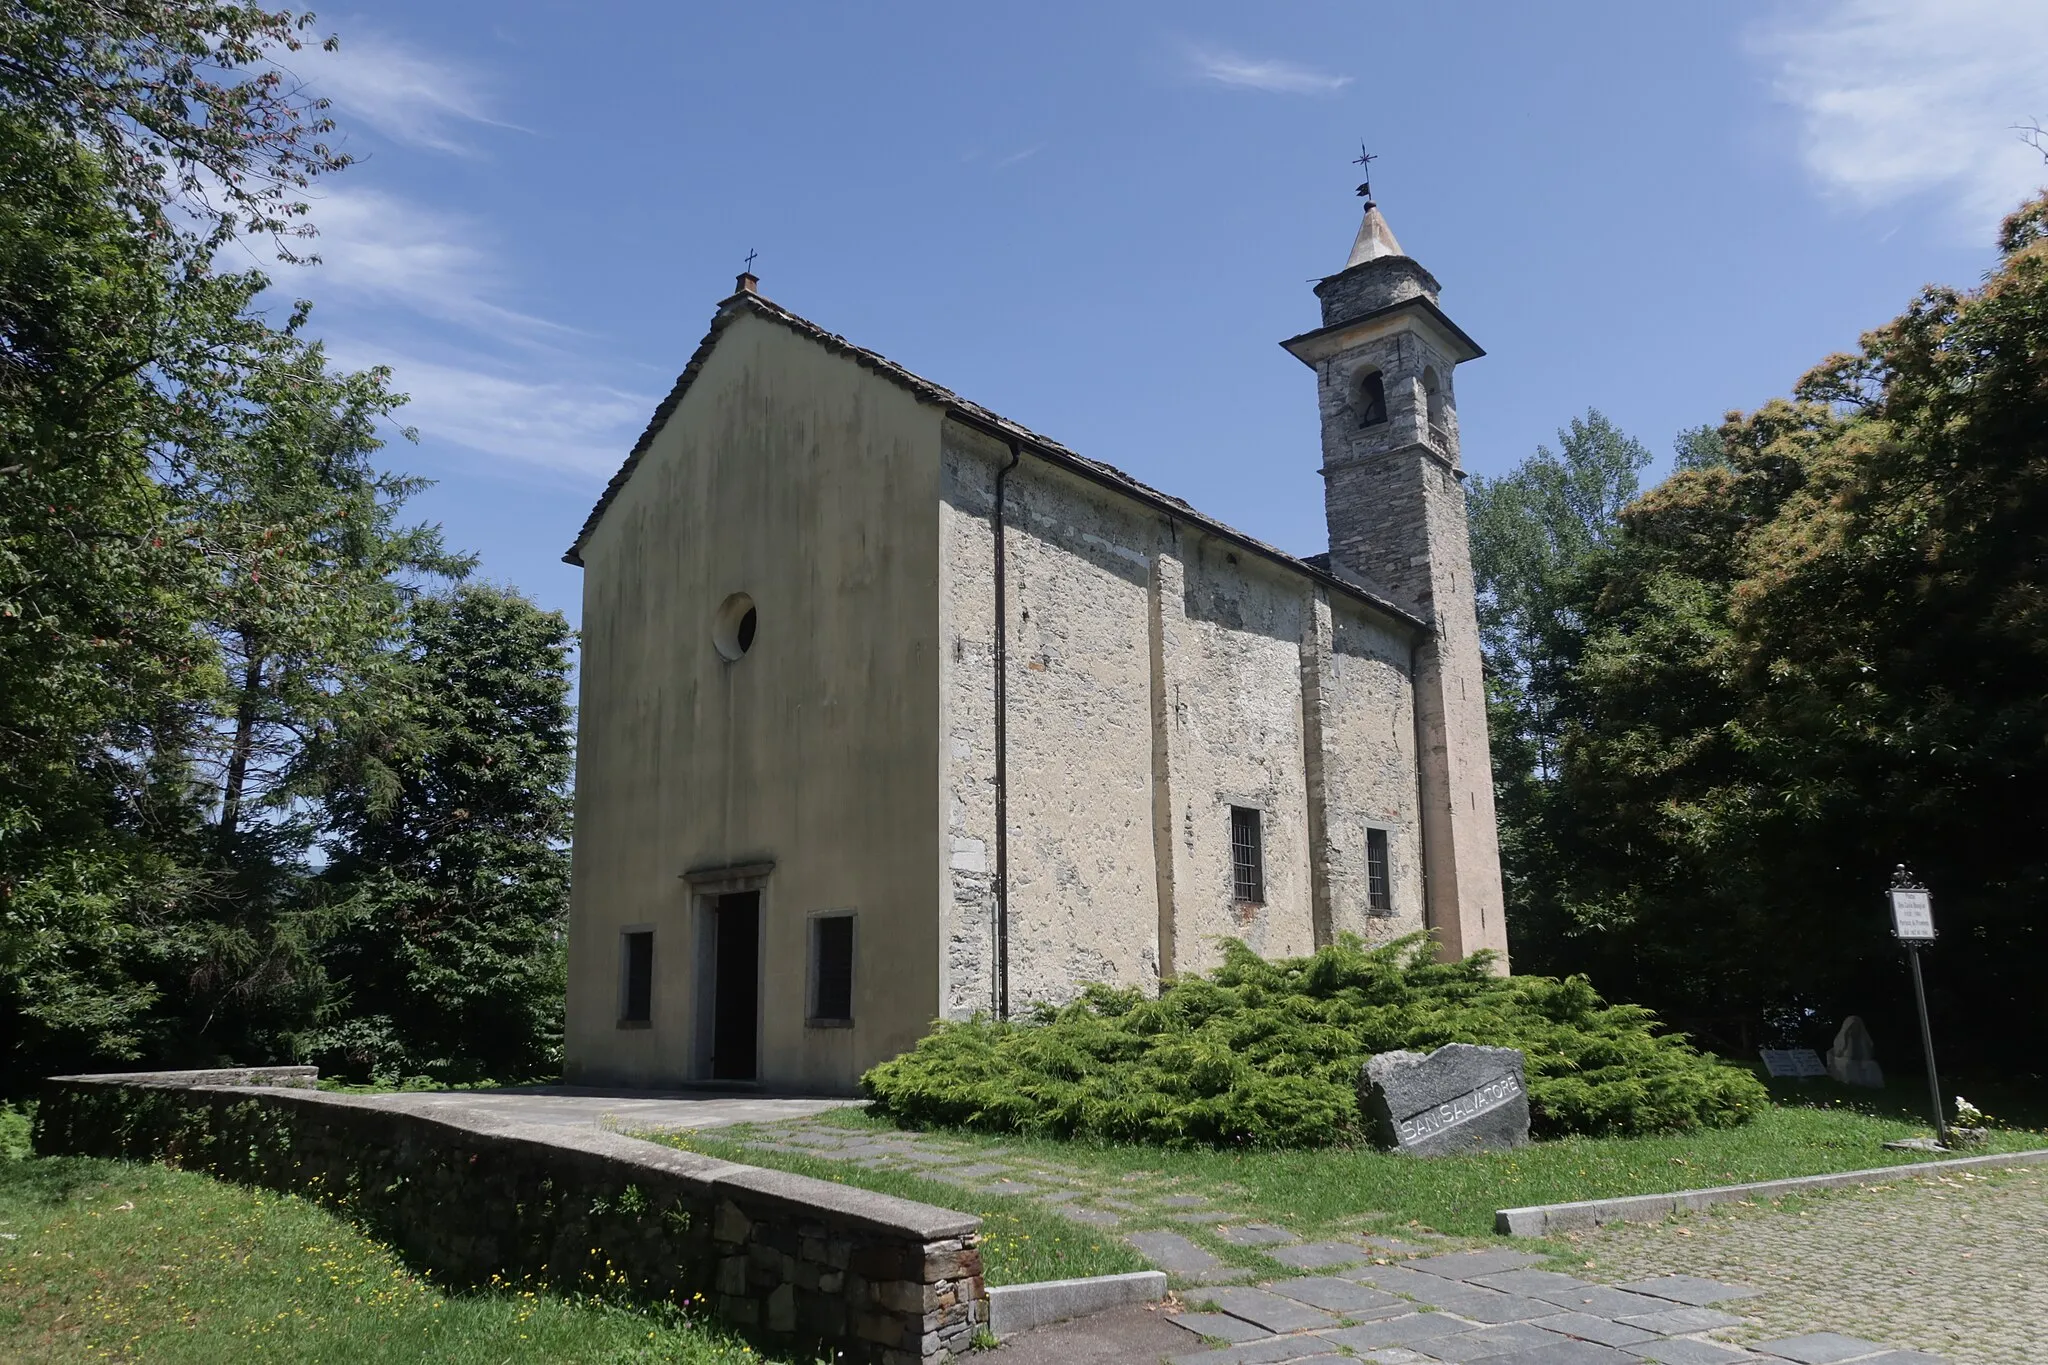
1099,219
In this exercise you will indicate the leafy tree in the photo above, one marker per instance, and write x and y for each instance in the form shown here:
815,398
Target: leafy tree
450,867
1825,656
199,132
1534,532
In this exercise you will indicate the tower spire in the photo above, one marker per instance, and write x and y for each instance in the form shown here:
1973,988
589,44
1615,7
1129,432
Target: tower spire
1375,239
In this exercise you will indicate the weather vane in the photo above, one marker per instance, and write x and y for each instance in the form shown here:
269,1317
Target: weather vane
1365,159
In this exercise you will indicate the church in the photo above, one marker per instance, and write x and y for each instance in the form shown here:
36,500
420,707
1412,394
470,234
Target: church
893,710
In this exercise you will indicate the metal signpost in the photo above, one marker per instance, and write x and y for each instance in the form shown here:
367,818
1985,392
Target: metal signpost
1913,926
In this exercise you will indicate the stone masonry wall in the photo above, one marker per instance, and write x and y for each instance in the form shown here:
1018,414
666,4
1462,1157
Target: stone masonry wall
467,1195
1157,677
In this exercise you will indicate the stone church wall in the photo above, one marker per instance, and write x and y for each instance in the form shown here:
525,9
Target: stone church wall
1156,679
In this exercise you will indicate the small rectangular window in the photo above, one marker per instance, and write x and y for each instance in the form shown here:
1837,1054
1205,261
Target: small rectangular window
636,976
1247,857
1379,881
831,970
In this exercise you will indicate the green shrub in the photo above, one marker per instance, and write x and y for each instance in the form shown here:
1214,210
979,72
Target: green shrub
1268,1054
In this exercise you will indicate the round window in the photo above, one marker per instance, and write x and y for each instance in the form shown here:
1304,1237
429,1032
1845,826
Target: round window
733,633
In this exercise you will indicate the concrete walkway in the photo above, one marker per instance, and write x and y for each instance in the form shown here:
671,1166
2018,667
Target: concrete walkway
570,1106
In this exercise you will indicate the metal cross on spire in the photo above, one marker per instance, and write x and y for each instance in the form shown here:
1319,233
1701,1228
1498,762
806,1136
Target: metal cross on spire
1365,159
751,254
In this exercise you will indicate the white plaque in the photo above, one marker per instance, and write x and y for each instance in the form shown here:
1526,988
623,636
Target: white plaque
1913,916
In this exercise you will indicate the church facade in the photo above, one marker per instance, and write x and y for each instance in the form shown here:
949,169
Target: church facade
894,710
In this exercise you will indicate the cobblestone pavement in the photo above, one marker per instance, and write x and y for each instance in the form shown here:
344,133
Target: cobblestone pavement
1788,1285
1955,1264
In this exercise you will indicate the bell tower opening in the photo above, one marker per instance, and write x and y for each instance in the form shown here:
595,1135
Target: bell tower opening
1371,399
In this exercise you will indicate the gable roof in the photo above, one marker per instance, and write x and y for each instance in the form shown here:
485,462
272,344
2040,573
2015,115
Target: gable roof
974,415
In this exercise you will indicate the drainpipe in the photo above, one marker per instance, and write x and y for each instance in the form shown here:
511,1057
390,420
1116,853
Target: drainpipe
1002,926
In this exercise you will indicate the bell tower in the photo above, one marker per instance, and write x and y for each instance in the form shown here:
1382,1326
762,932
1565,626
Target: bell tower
1394,498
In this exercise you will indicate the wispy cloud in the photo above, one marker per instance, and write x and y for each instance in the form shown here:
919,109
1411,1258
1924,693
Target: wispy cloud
379,247
1273,75
1906,97
429,290
559,425
1022,155
403,93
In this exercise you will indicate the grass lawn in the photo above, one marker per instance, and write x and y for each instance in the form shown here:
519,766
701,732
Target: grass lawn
104,1260
1813,1127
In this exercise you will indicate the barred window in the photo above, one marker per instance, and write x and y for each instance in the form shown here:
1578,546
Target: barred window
1247,857
1379,881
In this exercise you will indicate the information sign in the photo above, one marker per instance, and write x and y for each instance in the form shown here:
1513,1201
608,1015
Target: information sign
1913,916
1799,1062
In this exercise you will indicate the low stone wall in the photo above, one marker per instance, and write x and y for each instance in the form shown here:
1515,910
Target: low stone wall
469,1195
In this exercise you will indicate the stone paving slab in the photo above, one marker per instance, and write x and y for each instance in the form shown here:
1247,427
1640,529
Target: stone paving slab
1568,1353
1176,1255
1401,1331
1221,1325
1602,1331
1691,1351
1274,1312
1820,1348
1342,1297
1319,1255
1465,1265
1257,1235
1678,1321
1487,1343
1488,1305
1396,1279
1690,1289
1607,1303
1529,1282
1271,1351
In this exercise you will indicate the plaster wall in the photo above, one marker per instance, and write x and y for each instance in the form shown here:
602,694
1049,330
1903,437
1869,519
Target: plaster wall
793,475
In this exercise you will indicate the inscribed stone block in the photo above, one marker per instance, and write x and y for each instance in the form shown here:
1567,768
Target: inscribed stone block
1459,1098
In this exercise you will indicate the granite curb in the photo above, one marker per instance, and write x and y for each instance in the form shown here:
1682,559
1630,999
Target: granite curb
1541,1220
1014,1308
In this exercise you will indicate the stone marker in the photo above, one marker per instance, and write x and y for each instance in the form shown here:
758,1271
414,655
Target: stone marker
1853,1058
1459,1098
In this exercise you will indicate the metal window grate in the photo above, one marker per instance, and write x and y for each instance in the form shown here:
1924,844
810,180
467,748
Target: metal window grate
1247,857
636,988
1379,881
832,951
